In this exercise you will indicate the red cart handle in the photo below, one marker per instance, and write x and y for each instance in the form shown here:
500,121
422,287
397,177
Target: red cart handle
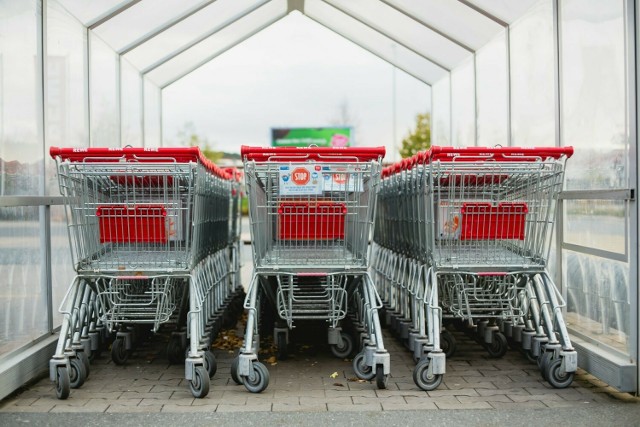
136,154
502,154
335,154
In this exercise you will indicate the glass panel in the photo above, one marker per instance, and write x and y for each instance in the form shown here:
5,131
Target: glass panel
507,10
598,299
491,69
105,131
206,21
373,41
413,97
441,133
596,223
131,104
594,94
21,151
22,302
463,110
405,30
140,19
152,115
454,19
218,43
66,86
532,77
89,11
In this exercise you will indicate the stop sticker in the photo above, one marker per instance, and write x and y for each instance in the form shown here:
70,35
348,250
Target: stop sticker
300,176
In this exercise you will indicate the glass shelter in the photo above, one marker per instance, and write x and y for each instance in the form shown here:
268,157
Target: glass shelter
512,73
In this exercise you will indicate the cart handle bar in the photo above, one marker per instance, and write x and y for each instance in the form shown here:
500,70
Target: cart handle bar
136,154
337,154
475,154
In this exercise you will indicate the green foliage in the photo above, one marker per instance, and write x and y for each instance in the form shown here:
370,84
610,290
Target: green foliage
419,139
188,137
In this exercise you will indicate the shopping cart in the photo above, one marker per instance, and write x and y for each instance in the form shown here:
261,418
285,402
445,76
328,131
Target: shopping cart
311,211
484,243
149,234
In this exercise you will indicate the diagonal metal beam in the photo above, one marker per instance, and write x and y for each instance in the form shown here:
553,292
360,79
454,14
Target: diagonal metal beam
201,38
226,49
381,31
110,14
162,28
429,26
484,13
371,51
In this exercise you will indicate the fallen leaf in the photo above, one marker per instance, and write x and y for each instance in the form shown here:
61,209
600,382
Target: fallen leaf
271,360
334,375
338,385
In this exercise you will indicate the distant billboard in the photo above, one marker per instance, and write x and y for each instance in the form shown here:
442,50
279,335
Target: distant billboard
303,137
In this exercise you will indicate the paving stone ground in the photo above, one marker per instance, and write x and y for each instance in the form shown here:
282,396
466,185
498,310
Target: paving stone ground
305,383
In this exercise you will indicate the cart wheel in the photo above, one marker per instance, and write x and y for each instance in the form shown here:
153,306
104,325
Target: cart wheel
234,371
259,378
448,343
424,380
210,363
119,353
345,349
381,378
281,342
175,352
77,373
556,378
199,385
84,358
362,370
543,363
63,386
529,355
498,347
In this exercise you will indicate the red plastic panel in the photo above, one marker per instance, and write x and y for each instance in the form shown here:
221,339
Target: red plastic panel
137,224
483,221
311,220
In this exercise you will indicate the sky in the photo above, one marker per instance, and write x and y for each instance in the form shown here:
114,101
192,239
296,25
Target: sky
295,73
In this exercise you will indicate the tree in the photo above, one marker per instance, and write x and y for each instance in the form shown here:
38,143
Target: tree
188,137
419,139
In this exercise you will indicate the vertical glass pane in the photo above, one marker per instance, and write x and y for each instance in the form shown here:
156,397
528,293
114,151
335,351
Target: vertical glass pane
152,115
105,131
532,78
491,80
441,132
66,86
594,94
21,151
598,298
22,302
463,120
596,223
131,104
